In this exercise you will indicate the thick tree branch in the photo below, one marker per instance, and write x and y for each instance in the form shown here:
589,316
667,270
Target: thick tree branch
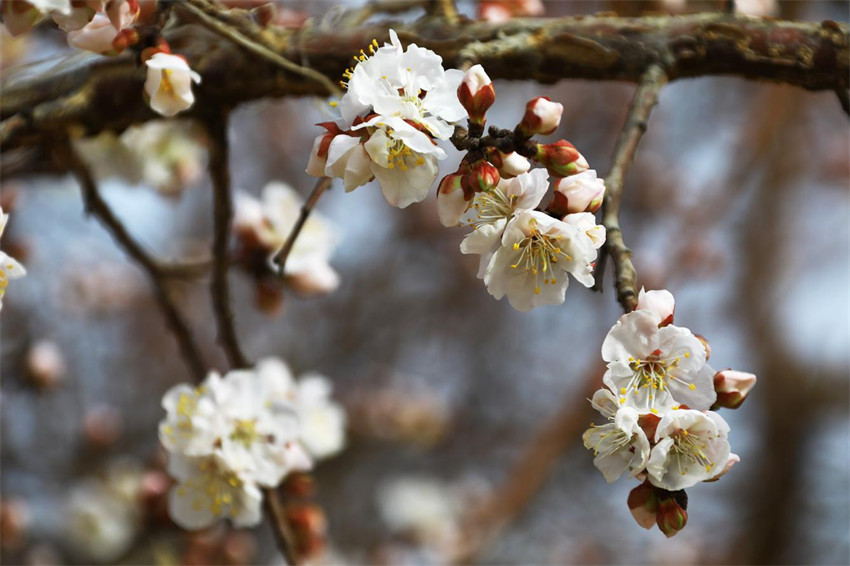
223,215
98,207
318,190
625,276
100,93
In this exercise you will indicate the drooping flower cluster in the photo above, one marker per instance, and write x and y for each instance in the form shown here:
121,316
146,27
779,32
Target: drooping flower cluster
527,251
9,266
659,398
263,226
235,434
398,103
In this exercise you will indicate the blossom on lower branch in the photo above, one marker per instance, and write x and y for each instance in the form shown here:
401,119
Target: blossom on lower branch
660,396
235,434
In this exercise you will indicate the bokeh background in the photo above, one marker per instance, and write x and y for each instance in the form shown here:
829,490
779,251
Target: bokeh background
737,202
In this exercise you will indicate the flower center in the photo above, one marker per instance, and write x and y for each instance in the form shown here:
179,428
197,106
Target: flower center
492,206
538,254
213,489
691,448
653,375
401,156
166,85
611,441
245,432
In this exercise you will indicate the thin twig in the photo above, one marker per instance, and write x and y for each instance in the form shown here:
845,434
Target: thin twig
280,525
446,10
214,24
223,216
484,523
98,207
318,190
625,276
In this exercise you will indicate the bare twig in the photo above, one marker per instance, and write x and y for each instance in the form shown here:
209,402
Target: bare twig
318,190
280,525
216,25
484,523
446,10
223,215
98,207
625,276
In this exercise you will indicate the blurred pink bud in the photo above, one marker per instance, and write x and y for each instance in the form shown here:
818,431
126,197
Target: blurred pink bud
452,201
45,364
476,93
102,426
499,11
240,548
14,521
732,388
122,13
660,303
579,193
643,504
542,117
97,36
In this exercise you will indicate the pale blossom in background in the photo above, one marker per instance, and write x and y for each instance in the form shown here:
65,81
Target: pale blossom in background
9,266
169,83
97,36
19,17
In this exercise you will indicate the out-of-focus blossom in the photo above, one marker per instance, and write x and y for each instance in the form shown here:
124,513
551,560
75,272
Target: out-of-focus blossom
102,426
80,15
691,446
500,11
14,523
757,8
9,266
122,13
420,506
97,36
542,117
45,364
19,16
169,83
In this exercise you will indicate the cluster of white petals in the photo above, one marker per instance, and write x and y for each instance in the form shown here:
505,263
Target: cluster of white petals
267,223
398,103
526,254
658,393
9,266
233,435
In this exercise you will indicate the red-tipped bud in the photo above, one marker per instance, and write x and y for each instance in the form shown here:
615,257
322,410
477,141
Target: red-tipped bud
561,159
319,153
309,527
643,504
452,200
481,178
476,94
508,164
579,193
672,514
124,39
705,345
542,117
732,388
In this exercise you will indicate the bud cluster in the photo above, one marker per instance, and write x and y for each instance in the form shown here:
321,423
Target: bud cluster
660,395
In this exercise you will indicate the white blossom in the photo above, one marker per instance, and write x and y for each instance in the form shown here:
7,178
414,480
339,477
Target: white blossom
542,116
410,84
97,36
583,192
169,83
691,446
9,266
618,446
660,303
421,506
535,254
655,369
19,17
207,491
270,221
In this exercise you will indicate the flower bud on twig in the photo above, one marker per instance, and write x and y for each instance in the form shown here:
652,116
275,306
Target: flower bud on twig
732,388
476,94
561,159
542,117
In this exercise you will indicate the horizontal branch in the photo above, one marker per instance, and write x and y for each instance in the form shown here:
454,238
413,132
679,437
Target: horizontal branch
94,93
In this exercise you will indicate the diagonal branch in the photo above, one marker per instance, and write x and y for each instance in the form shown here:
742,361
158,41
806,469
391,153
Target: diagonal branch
625,276
223,216
318,190
98,207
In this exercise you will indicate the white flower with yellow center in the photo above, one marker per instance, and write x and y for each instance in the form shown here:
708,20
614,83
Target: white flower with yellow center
535,256
9,266
169,83
655,369
620,445
409,84
208,490
691,446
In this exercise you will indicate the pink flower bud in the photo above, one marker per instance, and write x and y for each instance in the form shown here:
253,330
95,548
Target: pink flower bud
660,303
452,200
672,515
542,117
476,93
561,159
732,388
643,504
579,193
482,177
45,364
508,164
97,36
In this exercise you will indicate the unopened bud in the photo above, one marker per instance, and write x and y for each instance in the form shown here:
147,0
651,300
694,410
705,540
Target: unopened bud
476,94
481,178
542,117
102,426
309,527
643,504
509,164
732,388
45,364
319,153
268,296
452,200
672,514
579,193
561,159
661,303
